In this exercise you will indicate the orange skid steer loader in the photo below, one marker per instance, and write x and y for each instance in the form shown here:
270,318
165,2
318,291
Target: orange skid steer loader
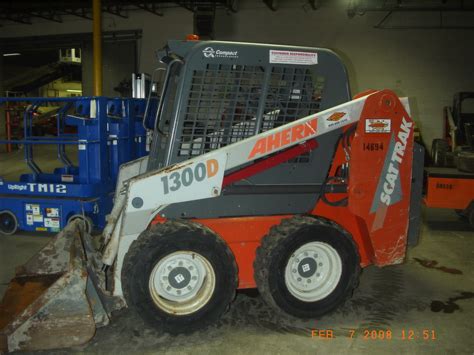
262,173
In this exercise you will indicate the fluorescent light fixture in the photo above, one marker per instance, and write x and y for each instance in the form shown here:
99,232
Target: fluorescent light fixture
10,54
73,90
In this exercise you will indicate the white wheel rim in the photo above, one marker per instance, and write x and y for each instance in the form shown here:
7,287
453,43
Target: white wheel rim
182,282
313,271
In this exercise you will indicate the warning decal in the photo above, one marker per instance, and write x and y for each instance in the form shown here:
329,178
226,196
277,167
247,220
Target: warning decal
292,57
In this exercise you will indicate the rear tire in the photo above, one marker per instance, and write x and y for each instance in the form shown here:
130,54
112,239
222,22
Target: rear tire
179,276
8,223
306,267
439,149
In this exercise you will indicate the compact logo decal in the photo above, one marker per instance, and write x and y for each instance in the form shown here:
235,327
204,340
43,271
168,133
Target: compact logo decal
210,52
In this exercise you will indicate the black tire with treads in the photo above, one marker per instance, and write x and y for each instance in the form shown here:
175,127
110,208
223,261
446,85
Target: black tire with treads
161,240
278,246
439,150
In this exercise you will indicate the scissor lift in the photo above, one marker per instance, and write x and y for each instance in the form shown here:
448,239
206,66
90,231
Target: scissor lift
107,132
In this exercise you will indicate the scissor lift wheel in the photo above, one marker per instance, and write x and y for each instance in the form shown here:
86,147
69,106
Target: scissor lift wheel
179,276
306,266
8,223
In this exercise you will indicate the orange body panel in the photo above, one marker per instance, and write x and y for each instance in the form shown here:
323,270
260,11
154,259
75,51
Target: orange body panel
243,235
380,175
456,193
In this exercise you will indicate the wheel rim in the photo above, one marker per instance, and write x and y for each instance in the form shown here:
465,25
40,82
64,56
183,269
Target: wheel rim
8,223
313,271
182,282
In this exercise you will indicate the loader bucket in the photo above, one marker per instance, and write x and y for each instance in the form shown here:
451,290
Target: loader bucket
52,302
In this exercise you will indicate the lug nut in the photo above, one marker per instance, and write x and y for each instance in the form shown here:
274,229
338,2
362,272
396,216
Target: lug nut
320,264
294,271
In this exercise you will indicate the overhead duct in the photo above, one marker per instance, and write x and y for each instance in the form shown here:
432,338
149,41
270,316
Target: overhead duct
441,12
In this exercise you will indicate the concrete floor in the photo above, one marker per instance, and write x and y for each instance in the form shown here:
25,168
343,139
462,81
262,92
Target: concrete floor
432,291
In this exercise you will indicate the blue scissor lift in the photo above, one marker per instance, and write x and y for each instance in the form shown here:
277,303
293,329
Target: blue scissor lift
107,133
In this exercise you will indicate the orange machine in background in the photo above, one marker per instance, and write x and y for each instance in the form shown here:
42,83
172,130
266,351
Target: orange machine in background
450,188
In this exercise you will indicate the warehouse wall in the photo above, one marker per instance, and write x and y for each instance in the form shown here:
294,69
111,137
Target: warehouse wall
429,66
118,61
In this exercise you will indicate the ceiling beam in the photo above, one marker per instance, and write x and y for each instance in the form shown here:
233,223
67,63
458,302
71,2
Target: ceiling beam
114,10
81,12
19,18
150,7
47,15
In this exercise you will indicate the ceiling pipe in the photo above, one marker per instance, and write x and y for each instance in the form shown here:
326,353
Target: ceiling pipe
97,46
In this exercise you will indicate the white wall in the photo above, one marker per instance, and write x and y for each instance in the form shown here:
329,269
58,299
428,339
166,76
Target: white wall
429,66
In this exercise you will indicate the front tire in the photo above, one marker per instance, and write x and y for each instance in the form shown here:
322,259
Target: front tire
179,276
306,267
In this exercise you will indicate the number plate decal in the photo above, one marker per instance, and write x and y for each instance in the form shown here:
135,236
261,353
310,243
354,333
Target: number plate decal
186,181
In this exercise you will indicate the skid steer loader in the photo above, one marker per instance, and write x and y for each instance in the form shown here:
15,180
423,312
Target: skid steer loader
262,173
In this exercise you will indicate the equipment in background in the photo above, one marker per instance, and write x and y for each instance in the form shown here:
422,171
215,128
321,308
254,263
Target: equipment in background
262,173
450,183
456,148
450,188
103,133
140,85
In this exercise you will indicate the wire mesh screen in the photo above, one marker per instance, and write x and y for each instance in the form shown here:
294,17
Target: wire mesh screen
293,93
224,100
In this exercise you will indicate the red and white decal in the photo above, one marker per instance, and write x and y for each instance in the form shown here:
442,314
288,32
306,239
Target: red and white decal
283,138
378,125
338,118
293,57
